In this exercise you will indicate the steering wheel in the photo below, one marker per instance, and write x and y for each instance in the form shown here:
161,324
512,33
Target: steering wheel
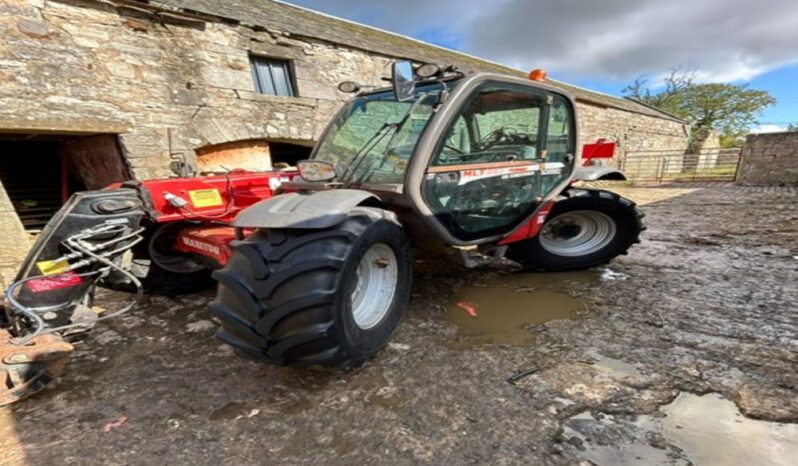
456,149
494,137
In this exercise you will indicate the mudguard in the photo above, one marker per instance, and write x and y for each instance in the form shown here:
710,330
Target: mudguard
598,173
319,210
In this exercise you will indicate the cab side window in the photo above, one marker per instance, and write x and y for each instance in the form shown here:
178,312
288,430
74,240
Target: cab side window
498,124
505,151
459,138
560,142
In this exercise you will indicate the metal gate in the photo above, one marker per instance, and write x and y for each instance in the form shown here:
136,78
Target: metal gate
672,166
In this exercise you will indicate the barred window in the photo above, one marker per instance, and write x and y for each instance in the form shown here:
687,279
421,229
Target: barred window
273,76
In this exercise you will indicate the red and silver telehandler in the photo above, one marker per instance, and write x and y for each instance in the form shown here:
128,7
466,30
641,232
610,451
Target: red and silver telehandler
313,263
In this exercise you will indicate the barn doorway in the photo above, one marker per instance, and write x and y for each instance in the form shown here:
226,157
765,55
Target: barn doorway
283,152
39,172
256,155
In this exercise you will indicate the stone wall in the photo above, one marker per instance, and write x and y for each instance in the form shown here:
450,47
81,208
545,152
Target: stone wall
770,159
80,65
632,132
85,66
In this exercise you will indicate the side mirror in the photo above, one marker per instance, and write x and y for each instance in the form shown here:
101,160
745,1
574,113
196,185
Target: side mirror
316,170
402,78
349,87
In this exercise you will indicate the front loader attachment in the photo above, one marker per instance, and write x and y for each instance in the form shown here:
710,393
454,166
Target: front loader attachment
49,304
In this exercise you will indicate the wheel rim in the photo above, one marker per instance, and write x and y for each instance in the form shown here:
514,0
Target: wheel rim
377,280
161,252
577,233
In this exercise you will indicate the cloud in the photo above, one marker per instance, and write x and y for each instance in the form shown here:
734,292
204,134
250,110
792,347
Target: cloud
768,128
727,40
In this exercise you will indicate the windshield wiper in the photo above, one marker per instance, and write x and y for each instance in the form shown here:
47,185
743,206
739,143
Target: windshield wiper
361,154
387,128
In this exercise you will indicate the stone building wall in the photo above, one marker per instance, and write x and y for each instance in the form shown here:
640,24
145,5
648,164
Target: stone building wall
177,82
86,66
631,132
770,159
83,66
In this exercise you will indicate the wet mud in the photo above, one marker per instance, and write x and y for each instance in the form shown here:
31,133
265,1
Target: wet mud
507,309
625,364
692,429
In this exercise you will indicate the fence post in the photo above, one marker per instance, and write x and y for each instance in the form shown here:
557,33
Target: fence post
737,165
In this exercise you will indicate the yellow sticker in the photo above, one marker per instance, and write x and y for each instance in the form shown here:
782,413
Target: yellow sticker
52,267
205,198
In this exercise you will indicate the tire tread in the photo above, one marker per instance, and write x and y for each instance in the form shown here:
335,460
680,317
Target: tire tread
262,264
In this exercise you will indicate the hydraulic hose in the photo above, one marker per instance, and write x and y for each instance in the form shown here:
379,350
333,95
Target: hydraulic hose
91,255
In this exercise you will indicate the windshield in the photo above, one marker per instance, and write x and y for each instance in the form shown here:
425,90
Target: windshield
374,137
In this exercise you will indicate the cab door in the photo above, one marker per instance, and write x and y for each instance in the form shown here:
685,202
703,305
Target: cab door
506,149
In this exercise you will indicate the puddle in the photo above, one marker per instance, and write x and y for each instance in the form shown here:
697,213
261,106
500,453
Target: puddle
692,430
501,311
711,430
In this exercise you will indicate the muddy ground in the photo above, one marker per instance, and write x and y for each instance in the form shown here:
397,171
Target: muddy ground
646,361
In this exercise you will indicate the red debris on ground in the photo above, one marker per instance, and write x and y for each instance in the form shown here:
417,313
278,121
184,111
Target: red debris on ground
119,422
471,309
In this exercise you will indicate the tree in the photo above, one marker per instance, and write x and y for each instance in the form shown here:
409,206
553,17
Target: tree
728,108
669,98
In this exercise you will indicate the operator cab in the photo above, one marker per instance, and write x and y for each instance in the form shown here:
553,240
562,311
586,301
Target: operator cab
474,156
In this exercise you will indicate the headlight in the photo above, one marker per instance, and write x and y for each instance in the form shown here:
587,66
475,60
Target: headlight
316,170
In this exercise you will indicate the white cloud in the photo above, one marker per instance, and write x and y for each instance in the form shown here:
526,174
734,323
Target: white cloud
768,128
727,40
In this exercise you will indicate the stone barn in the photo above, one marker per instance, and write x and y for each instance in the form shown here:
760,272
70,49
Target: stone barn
98,91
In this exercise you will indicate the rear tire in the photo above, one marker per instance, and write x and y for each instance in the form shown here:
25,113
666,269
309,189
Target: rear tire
290,297
588,228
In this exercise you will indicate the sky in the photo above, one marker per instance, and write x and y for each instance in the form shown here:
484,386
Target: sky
605,44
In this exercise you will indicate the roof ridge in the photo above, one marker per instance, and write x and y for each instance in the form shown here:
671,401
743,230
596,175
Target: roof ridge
396,34
312,24
627,97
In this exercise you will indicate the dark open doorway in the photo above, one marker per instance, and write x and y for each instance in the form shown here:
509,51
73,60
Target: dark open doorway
40,171
288,153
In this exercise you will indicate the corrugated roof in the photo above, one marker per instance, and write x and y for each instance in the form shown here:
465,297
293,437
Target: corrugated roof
278,16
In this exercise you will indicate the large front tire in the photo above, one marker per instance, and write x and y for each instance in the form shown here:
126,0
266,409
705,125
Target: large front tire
588,228
328,297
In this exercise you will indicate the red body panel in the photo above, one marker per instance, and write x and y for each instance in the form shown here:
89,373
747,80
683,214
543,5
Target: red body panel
210,200
531,228
217,198
210,241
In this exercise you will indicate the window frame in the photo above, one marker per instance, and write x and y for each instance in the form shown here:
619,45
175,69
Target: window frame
418,170
572,124
473,124
268,62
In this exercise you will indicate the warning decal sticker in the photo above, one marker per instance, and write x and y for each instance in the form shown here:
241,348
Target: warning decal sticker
52,267
205,198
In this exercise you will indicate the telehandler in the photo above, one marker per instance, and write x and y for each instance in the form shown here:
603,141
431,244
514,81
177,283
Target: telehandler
314,263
